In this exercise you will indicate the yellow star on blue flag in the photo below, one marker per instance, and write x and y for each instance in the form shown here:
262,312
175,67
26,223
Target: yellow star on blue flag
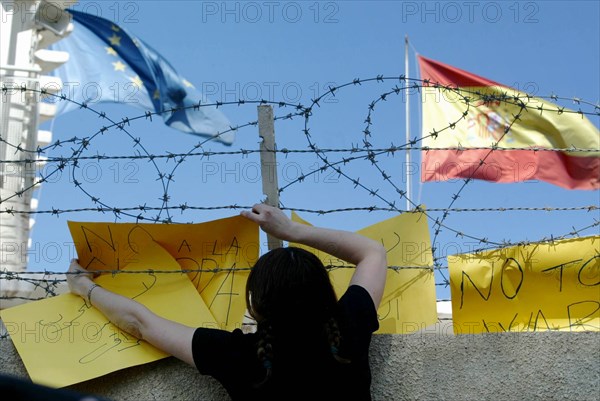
104,55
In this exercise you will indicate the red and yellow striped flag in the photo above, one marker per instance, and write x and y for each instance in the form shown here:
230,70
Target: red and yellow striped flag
477,128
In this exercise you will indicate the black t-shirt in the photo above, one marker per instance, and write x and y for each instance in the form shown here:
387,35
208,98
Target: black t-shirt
308,371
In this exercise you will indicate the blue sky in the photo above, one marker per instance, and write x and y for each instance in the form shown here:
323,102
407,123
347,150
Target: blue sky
292,52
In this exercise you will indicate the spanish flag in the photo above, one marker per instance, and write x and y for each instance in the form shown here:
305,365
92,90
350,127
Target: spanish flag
475,128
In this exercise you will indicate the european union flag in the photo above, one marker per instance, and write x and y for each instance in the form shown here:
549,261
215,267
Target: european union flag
107,64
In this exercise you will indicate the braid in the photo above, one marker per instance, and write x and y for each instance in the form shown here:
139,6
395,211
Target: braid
334,337
264,350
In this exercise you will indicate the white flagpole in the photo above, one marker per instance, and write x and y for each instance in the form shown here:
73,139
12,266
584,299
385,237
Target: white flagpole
407,161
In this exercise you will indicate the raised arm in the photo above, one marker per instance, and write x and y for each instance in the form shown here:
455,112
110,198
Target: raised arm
369,256
133,317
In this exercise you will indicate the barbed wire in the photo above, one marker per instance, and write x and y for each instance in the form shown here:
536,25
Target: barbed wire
285,152
464,95
186,206
76,148
467,96
8,275
50,285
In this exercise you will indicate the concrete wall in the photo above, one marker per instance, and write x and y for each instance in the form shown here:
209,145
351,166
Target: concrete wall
423,366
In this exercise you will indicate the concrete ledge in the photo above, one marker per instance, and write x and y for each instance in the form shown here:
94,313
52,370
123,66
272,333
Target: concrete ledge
420,366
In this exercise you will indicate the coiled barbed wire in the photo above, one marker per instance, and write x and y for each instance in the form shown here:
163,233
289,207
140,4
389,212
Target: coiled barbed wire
365,152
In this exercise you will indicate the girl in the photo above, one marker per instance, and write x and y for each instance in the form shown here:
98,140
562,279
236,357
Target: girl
308,345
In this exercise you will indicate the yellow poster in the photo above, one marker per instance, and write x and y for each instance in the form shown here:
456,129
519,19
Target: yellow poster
537,287
63,340
217,253
409,299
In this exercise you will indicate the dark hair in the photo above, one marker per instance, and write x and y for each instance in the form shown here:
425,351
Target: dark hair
288,286
288,283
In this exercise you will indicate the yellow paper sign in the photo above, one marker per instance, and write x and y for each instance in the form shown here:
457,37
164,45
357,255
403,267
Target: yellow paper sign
409,300
63,340
219,253
537,287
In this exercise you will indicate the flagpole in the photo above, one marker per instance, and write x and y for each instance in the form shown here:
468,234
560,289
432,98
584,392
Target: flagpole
407,161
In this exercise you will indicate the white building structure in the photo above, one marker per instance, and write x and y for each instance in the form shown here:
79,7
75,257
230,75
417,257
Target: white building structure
27,29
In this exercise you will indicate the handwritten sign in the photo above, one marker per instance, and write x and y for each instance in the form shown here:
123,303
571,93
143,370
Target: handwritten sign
537,287
409,300
63,340
220,253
